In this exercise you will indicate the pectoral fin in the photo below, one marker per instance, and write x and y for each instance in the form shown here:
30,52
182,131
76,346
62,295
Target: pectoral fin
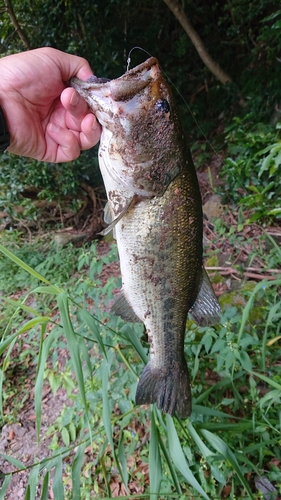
112,222
206,310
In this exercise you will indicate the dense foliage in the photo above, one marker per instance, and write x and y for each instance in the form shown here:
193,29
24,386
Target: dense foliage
242,36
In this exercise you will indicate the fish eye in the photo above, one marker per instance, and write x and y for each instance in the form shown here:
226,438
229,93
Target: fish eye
163,106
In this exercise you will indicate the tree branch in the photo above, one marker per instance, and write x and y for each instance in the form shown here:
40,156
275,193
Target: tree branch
198,43
16,25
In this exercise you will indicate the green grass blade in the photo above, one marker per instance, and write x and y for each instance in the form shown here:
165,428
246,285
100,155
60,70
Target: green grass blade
155,465
269,381
76,471
206,452
106,413
128,332
45,345
33,481
4,486
85,353
19,465
27,326
57,482
48,289
27,493
92,325
222,448
179,459
122,459
45,487
20,305
73,345
24,266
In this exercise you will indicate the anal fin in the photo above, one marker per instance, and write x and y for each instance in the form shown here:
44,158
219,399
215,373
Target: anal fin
122,308
206,310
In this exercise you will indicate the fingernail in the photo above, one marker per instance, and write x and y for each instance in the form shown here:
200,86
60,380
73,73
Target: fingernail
95,125
54,128
74,99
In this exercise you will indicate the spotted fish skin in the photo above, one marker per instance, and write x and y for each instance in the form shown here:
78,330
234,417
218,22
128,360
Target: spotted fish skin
155,211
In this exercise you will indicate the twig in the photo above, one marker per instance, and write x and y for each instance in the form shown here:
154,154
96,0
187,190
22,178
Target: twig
250,272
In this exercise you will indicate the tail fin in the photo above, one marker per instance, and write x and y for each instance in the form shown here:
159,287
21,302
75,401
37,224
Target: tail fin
170,389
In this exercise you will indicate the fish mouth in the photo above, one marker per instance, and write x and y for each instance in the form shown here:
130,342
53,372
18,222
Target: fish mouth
101,94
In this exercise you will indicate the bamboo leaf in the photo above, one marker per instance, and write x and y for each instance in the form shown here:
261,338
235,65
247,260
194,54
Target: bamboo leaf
122,459
206,452
33,481
76,471
19,465
73,345
128,332
106,413
27,326
45,486
58,490
155,465
24,266
20,305
45,345
179,459
5,485
92,325
48,289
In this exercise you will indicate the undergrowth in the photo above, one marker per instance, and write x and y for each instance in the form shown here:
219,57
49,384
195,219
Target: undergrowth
103,445
252,168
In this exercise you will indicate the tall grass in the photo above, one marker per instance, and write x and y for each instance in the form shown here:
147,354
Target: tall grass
232,434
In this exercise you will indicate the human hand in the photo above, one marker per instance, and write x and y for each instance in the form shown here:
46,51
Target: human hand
46,120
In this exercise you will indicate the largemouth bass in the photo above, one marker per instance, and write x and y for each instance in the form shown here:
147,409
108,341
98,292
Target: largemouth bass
154,207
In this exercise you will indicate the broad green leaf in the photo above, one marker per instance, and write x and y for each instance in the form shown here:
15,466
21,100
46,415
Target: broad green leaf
179,459
65,436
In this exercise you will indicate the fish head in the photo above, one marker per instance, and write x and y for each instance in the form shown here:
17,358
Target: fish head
141,133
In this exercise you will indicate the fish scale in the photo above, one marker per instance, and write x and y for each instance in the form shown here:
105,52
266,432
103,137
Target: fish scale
155,210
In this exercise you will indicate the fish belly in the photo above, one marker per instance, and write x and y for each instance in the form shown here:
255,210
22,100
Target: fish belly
160,250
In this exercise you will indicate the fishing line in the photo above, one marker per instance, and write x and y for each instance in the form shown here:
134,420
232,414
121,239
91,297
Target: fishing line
179,93
185,102
129,55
